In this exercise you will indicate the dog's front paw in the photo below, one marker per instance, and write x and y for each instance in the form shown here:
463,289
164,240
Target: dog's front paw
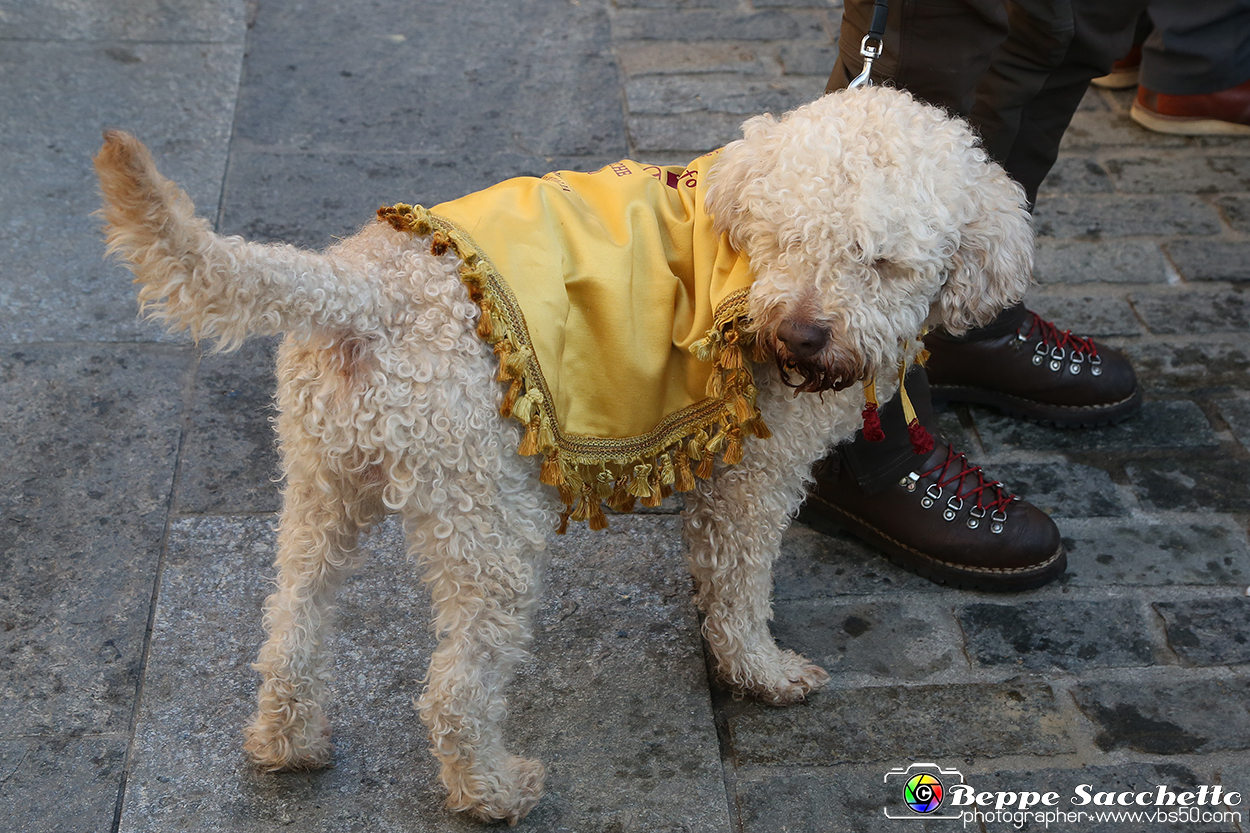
508,795
277,742
787,681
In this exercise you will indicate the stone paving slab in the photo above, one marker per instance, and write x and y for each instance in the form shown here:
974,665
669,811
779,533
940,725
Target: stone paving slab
58,785
58,97
1057,633
1170,715
399,82
615,701
841,726
183,21
1083,261
1161,424
230,458
1208,631
1186,366
1107,552
1197,483
904,640
88,452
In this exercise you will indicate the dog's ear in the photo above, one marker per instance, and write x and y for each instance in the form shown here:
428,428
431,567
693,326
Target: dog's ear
737,179
993,264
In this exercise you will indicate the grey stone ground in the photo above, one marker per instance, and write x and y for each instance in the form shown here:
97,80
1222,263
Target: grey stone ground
136,475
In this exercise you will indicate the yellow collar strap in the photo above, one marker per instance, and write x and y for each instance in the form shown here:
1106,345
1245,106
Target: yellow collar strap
921,439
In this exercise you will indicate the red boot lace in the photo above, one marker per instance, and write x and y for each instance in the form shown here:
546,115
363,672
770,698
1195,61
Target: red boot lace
970,483
1052,336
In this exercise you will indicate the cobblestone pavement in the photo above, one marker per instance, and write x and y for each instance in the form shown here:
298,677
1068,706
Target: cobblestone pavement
137,474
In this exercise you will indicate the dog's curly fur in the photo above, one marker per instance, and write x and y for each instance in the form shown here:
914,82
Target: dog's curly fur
866,217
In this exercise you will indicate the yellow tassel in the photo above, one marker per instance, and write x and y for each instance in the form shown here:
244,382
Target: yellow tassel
567,495
657,491
733,449
546,437
603,483
598,520
518,360
909,413
526,407
684,481
439,243
705,348
759,428
743,410
715,385
529,444
503,348
509,398
550,472
622,501
485,325
694,448
638,486
582,510
717,443
704,471
731,357
564,523
668,474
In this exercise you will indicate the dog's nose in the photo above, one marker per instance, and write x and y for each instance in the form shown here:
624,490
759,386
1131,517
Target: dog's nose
802,339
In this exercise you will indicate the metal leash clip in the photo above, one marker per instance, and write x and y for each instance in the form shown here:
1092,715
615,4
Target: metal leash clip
870,48
872,45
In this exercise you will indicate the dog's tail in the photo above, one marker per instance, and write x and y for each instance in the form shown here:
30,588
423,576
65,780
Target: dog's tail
218,287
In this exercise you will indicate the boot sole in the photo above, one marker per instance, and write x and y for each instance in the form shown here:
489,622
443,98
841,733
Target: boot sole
1185,125
958,576
1058,416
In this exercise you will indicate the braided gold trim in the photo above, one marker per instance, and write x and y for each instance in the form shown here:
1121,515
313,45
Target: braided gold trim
591,471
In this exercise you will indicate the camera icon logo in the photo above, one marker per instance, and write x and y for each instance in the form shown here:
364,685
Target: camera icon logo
922,788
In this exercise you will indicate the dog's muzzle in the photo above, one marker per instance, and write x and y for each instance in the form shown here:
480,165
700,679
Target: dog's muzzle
799,348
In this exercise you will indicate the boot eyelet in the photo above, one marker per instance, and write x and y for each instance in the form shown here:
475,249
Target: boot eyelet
998,521
909,481
931,496
1097,371
1055,364
1074,369
975,514
952,508
1037,360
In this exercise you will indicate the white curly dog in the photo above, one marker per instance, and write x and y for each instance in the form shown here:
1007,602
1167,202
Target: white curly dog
866,217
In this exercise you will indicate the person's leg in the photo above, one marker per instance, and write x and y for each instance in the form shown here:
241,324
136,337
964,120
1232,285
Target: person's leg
1197,48
868,488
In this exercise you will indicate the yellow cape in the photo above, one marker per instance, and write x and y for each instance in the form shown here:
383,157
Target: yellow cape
614,308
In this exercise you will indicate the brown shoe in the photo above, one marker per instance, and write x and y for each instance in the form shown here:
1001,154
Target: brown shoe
945,521
1223,113
1037,372
1124,72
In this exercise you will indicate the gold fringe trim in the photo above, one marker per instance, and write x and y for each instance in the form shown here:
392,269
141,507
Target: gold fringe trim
591,472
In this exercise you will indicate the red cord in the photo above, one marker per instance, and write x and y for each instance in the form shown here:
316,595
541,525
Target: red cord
963,479
1052,336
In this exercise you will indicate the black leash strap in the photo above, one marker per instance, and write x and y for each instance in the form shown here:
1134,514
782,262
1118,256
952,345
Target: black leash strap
872,45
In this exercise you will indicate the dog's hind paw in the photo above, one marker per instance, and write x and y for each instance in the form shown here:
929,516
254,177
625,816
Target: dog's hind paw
506,796
788,682
276,745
